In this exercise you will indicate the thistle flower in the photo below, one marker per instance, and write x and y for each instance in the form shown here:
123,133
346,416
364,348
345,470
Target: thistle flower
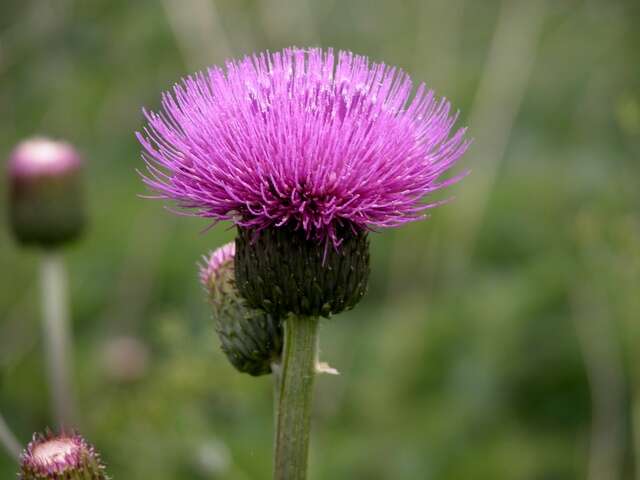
298,147
45,192
60,457
250,338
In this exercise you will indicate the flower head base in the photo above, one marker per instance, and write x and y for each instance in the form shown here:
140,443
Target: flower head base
298,138
61,457
282,272
45,192
251,339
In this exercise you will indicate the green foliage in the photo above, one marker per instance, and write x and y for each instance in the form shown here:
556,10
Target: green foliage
461,362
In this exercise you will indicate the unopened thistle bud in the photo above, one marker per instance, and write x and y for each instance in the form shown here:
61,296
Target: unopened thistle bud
250,338
45,193
60,457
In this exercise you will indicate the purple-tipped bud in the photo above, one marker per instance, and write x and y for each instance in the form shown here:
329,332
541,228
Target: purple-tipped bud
46,205
251,339
217,273
60,457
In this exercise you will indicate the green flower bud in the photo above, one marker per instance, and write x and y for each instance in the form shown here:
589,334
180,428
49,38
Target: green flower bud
250,338
46,205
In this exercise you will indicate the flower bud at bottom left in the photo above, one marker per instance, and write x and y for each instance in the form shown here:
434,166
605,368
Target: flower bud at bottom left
60,457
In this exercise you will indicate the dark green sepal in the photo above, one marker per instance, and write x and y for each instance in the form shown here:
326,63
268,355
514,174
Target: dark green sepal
47,211
281,271
251,339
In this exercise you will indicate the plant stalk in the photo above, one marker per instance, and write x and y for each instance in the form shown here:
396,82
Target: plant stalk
9,440
296,398
276,373
57,336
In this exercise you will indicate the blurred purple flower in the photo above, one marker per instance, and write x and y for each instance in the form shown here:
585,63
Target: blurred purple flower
292,138
41,157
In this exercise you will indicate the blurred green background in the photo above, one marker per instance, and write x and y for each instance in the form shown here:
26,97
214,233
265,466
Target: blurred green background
498,339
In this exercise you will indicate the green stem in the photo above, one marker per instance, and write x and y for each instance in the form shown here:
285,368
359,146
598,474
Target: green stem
9,440
276,373
57,336
296,398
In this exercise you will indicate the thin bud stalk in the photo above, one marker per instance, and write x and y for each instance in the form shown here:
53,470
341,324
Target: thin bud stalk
57,336
296,398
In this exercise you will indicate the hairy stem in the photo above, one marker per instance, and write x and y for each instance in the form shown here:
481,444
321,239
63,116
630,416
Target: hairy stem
57,336
296,398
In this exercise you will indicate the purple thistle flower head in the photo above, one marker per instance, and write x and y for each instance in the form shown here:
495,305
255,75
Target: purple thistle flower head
319,142
58,457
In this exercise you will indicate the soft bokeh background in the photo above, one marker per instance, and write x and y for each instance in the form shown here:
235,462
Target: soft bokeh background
498,339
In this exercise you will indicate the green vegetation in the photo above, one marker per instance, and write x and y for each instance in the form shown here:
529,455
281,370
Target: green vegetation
494,343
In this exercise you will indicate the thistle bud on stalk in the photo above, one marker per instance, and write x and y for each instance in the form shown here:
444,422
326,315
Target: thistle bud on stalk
250,338
60,457
46,209
45,193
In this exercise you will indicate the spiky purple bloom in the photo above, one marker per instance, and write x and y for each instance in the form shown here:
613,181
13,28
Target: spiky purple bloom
60,457
294,138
